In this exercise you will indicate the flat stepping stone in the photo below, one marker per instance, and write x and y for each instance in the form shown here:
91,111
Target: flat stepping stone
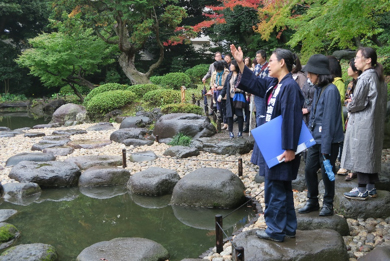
86,162
319,245
151,202
137,142
56,137
34,134
49,174
103,192
4,134
312,221
22,129
28,156
69,132
181,152
153,182
135,122
220,188
101,126
130,133
371,208
44,144
30,252
124,249
6,214
43,126
3,128
102,176
88,144
380,253
226,146
59,151
143,156
9,234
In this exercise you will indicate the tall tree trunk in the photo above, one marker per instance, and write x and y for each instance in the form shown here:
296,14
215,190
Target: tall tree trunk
128,67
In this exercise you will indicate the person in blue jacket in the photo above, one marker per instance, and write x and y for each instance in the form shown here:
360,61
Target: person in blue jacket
282,97
326,126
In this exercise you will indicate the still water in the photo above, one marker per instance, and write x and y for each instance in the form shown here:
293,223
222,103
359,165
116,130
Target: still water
73,219
15,120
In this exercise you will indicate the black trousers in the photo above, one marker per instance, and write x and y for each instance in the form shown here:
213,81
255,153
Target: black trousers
314,161
240,120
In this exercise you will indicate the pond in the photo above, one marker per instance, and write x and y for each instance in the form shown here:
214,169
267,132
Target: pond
72,219
15,120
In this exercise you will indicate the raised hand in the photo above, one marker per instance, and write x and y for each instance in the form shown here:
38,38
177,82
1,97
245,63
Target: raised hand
237,53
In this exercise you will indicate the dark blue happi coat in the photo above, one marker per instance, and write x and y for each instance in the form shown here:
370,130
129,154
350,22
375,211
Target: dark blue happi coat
289,103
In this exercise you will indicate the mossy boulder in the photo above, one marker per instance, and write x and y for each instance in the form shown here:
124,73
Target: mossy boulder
30,252
8,235
109,101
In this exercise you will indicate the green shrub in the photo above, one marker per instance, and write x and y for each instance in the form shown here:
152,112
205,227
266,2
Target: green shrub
104,88
197,72
156,79
180,140
175,80
109,101
4,97
181,108
67,90
386,66
162,96
140,89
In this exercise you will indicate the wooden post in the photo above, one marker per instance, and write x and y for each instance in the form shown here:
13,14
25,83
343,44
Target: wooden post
240,167
193,99
183,94
124,158
218,233
240,254
157,138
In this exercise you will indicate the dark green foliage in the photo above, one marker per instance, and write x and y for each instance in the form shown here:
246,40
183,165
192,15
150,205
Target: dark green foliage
180,140
386,66
109,101
156,79
67,90
104,88
181,108
140,89
7,232
175,80
162,96
197,72
12,97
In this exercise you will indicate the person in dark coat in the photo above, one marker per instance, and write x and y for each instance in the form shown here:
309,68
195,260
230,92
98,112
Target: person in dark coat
282,96
326,127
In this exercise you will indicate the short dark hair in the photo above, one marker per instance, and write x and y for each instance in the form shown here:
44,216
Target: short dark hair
225,64
236,68
334,66
286,55
254,61
324,79
218,65
228,55
263,53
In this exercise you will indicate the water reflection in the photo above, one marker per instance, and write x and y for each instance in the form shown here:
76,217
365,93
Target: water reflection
71,221
15,120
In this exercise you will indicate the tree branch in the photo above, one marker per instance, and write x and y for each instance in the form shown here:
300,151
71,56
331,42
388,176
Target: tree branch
160,45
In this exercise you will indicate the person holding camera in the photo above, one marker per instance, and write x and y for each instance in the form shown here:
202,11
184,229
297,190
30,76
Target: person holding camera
326,127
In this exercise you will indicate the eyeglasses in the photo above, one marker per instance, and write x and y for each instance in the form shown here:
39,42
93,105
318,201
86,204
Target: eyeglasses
357,57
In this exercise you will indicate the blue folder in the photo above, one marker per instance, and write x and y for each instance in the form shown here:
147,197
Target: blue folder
269,139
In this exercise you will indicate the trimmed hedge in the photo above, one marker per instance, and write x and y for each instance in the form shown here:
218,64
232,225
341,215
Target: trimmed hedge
108,101
140,89
197,72
104,88
175,80
162,96
181,108
156,79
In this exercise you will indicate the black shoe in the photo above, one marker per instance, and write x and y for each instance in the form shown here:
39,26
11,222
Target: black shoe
263,235
326,210
309,207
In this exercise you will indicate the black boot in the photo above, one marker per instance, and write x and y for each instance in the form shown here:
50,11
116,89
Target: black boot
309,207
326,210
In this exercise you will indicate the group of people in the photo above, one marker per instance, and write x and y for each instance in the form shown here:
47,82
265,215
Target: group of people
315,94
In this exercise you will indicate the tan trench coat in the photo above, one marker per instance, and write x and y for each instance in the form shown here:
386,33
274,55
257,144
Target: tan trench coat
365,131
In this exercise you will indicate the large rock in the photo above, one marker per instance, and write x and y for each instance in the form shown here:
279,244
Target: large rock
181,152
100,177
53,105
43,126
319,245
130,133
135,122
67,112
124,249
37,156
6,214
226,146
189,124
8,235
380,253
3,128
47,174
20,190
30,252
101,126
312,221
209,187
373,207
153,181
86,162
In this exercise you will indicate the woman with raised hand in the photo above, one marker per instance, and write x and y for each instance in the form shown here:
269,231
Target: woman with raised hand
365,131
282,97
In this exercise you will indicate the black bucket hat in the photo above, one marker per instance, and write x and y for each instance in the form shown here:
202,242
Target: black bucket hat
317,64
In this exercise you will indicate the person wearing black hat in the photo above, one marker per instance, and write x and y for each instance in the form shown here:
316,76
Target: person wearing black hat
326,127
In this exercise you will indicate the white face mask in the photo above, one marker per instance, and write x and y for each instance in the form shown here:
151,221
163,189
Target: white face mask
311,84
